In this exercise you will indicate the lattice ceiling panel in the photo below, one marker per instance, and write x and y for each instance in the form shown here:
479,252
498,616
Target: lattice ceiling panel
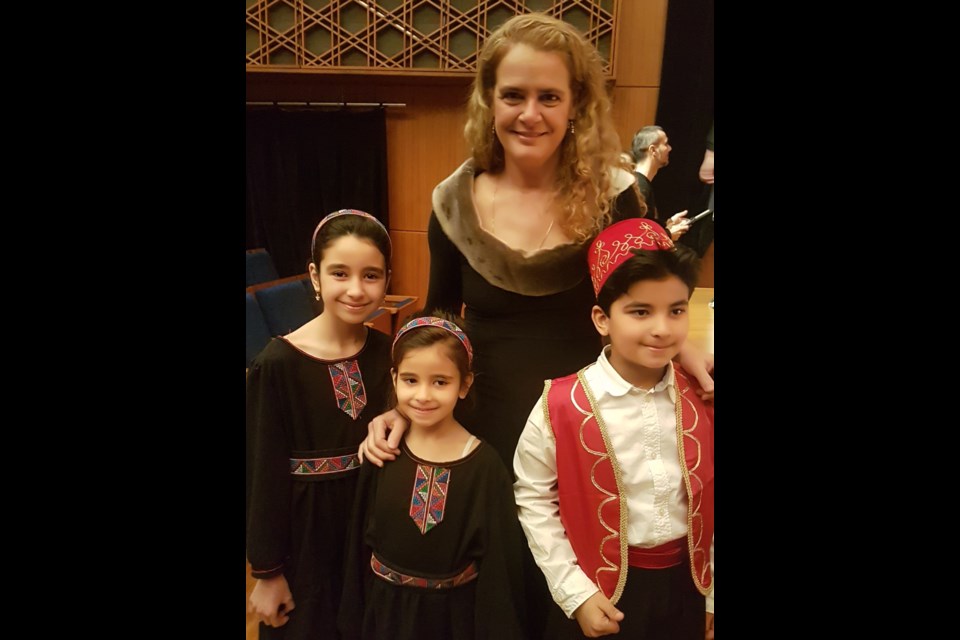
398,35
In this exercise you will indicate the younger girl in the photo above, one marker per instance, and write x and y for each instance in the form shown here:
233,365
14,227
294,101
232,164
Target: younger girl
310,395
434,549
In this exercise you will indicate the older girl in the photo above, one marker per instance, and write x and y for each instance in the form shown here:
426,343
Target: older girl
309,397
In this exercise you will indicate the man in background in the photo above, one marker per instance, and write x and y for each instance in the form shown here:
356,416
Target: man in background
651,152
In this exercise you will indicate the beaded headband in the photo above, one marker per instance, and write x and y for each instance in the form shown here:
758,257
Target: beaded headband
344,212
614,245
431,321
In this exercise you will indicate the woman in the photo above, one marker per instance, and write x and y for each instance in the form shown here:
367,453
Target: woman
509,228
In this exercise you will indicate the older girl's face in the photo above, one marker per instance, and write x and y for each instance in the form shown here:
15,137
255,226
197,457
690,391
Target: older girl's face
352,279
532,103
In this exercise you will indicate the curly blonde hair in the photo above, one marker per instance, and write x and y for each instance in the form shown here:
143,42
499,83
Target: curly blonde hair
587,157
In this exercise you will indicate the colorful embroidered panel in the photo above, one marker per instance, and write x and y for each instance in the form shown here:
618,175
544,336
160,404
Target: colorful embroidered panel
348,387
395,577
323,466
429,496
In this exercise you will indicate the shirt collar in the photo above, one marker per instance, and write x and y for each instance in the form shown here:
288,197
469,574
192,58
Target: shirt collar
613,383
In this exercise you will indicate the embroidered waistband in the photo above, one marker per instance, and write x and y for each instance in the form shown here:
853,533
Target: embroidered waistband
324,466
668,554
395,577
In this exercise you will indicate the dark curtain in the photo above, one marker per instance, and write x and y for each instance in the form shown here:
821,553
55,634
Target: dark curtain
685,111
303,164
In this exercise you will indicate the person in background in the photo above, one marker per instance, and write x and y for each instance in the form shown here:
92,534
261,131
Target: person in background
614,468
309,397
651,152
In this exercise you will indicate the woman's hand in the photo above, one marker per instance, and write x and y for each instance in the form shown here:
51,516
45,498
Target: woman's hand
700,366
378,448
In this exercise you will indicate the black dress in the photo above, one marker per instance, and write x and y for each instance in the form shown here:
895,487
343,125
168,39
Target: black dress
431,521
300,409
528,316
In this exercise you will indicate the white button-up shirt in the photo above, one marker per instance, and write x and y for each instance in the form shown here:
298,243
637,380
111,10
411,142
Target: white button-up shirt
641,424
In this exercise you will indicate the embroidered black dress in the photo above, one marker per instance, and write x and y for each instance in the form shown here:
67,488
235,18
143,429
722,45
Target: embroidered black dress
431,521
528,315
301,409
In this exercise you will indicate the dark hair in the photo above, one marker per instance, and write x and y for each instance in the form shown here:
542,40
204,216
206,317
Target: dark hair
425,336
351,225
681,262
642,140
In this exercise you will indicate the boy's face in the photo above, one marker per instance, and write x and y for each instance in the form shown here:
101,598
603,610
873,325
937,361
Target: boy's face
647,325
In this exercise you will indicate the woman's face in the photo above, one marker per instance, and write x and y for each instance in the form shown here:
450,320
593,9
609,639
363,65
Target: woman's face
532,103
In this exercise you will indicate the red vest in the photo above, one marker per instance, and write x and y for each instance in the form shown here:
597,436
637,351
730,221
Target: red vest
593,506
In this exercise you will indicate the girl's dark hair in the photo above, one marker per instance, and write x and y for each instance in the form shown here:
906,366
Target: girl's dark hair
425,336
351,225
650,265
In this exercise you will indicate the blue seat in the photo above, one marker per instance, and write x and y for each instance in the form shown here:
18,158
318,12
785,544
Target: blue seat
258,334
380,320
260,267
286,305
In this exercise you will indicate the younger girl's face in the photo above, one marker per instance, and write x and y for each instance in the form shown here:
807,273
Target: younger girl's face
429,385
352,278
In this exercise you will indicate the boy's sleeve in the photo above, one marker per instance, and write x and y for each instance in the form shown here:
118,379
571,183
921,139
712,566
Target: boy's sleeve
538,504
712,582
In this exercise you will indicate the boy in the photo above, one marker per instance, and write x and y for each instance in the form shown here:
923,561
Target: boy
614,467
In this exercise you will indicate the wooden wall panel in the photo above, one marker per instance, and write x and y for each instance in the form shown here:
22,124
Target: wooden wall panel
411,264
633,107
706,268
640,35
425,144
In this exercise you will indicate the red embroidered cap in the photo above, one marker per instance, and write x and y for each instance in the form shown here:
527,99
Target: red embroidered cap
612,247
